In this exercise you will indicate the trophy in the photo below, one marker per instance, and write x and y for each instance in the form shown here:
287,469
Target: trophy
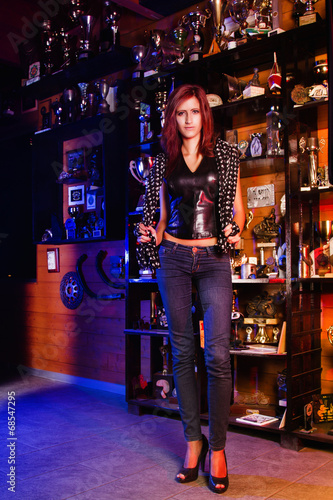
239,12
104,90
83,86
218,8
70,224
161,99
57,110
310,15
154,54
76,10
263,14
69,105
48,41
312,146
140,168
163,381
325,230
138,53
87,23
196,20
112,17
261,311
65,48
180,34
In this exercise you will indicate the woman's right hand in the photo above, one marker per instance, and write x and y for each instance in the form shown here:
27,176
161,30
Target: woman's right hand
146,234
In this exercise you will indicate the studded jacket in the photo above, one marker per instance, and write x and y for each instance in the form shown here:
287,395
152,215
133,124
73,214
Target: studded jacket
227,160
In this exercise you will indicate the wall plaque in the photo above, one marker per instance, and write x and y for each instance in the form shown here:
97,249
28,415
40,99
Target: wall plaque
260,196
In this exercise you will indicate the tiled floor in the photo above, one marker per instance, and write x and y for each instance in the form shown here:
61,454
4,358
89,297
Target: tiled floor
78,443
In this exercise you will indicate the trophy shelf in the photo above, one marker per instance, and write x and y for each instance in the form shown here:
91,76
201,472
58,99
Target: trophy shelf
97,67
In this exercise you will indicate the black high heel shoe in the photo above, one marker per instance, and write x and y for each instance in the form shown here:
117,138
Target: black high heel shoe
214,481
191,474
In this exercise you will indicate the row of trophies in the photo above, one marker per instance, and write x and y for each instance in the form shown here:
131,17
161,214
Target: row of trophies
71,37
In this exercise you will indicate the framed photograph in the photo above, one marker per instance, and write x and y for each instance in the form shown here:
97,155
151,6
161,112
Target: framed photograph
91,201
75,195
53,264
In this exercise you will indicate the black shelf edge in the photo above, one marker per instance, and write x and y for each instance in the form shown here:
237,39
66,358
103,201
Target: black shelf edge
74,240
151,333
251,353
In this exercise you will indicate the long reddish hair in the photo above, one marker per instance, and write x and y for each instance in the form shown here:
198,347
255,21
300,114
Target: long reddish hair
171,140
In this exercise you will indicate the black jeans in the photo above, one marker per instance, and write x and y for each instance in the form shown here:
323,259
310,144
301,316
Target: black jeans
182,265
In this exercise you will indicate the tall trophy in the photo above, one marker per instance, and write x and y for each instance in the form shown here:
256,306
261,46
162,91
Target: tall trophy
87,24
196,20
161,99
83,86
104,90
48,41
140,168
112,18
312,146
220,42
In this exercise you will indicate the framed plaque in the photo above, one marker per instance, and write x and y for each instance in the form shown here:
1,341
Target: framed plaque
53,265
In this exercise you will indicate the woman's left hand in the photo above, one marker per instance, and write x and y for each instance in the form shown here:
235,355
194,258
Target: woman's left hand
231,239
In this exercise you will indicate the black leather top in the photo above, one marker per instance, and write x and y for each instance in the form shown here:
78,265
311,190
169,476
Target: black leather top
192,200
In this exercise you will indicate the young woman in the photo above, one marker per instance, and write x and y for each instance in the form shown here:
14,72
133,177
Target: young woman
201,217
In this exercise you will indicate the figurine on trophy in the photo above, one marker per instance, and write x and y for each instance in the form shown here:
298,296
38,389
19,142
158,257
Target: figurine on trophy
154,54
263,15
195,20
261,312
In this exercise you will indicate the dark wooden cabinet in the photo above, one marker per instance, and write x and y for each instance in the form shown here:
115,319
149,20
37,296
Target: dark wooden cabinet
299,310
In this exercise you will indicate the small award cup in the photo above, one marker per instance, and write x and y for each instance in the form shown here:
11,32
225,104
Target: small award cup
138,53
242,147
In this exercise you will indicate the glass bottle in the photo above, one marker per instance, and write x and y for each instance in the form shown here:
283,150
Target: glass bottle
272,129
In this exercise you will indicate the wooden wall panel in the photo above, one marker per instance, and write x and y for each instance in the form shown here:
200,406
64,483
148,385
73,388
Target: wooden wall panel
87,341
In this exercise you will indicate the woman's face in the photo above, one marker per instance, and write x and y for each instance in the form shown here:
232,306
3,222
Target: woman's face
188,117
